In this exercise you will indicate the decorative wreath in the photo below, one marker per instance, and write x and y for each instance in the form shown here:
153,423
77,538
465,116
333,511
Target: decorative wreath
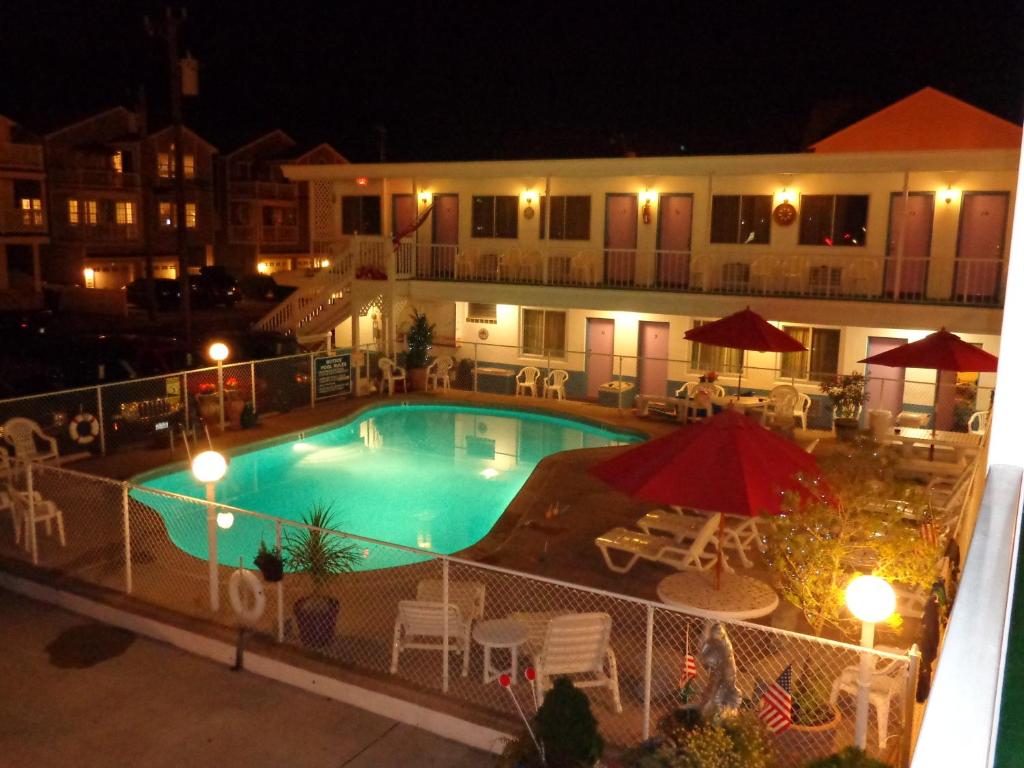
784,214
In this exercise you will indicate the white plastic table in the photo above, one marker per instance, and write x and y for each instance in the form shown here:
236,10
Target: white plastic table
500,633
958,441
740,597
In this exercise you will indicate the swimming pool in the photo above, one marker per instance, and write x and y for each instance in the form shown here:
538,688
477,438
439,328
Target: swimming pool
434,477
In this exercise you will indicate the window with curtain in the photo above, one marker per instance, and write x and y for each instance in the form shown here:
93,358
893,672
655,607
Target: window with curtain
741,219
495,216
819,362
706,357
543,333
570,217
360,215
481,313
840,220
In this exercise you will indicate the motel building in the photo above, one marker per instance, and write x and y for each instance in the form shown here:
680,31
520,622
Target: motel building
891,228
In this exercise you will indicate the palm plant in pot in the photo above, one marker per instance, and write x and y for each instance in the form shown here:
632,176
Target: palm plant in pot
419,338
320,555
848,394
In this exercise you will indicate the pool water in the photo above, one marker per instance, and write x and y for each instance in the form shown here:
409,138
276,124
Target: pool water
433,477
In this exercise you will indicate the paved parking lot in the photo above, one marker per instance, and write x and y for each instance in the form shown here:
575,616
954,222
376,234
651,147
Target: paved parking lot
74,692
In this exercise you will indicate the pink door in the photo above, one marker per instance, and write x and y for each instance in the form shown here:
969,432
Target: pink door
620,214
979,256
652,347
945,400
675,218
403,212
600,346
885,383
445,235
917,243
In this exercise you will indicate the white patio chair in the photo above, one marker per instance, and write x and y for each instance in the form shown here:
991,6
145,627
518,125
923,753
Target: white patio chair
7,489
554,384
467,595
699,556
780,408
577,645
439,373
390,374
978,423
531,267
467,263
25,435
526,381
689,388
581,268
739,533
698,407
803,407
510,265
38,511
420,624
887,682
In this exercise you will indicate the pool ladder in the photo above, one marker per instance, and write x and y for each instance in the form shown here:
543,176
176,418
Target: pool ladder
184,439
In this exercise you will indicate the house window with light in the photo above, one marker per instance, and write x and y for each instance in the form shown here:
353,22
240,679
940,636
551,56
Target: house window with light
124,212
168,215
91,212
73,216
705,357
163,165
543,333
834,220
820,361
190,215
117,161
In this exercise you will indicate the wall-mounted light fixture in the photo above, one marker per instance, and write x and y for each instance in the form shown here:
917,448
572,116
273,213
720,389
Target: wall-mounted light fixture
424,196
950,194
785,195
647,197
528,199
362,181
90,277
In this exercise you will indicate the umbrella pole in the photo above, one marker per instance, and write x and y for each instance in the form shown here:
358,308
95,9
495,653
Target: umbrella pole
935,417
718,560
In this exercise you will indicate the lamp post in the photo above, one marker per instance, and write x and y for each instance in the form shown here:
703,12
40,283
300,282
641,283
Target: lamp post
871,599
219,352
208,467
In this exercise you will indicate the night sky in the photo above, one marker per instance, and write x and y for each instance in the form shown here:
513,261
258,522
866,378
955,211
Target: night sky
463,81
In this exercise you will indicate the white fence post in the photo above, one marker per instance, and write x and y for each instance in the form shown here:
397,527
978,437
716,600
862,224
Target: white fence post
312,379
211,552
280,586
99,416
648,664
444,599
127,539
184,399
33,541
476,363
252,383
909,697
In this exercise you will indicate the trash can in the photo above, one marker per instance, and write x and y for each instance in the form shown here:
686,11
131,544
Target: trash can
880,422
616,394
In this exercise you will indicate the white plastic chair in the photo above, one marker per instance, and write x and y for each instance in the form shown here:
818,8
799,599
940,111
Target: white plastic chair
803,406
698,407
554,384
531,267
978,423
390,374
780,409
526,381
581,268
37,511
887,682
699,556
439,373
466,264
421,624
578,644
24,435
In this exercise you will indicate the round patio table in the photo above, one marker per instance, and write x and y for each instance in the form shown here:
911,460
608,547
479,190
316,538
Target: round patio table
740,597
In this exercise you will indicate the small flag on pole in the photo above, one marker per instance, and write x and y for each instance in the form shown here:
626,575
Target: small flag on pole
689,670
929,534
776,710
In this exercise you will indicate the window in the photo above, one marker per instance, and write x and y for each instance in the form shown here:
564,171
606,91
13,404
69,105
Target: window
496,216
833,220
360,215
168,215
124,212
32,211
73,212
819,362
543,333
570,217
741,219
482,313
91,214
165,164
190,215
117,161
705,357
189,162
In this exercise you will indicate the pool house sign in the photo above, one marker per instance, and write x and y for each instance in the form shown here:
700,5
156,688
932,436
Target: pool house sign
333,375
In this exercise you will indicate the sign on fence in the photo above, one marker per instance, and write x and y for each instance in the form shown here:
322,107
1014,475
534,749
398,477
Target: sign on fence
333,375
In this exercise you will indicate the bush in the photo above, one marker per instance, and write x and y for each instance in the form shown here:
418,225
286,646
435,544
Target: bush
737,742
567,728
851,757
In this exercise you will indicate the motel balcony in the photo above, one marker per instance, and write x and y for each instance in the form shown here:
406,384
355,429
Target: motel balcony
100,233
21,157
21,222
93,177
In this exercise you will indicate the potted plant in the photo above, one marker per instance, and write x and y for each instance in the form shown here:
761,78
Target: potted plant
848,394
419,338
813,732
320,555
851,757
269,562
740,740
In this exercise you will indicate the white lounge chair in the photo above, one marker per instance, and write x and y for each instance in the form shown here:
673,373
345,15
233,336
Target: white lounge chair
25,436
577,645
526,381
554,384
699,556
420,624
439,373
467,595
739,533
887,683
390,374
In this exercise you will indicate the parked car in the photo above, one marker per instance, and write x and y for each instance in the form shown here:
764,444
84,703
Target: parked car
264,288
213,286
166,293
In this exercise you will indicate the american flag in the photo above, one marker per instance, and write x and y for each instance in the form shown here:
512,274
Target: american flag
776,709
412,227
689,670
929,534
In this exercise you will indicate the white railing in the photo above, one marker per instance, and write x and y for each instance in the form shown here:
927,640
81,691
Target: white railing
178,553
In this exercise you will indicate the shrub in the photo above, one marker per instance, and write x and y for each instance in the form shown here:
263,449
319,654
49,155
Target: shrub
737,742
851,757
567,728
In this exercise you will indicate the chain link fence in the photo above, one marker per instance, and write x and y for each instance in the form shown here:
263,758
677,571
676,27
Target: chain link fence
182,554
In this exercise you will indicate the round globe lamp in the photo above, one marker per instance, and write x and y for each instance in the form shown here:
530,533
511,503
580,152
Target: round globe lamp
219,352
871,599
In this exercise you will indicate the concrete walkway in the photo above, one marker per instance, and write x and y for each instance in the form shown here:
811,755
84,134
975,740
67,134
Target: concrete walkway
74,692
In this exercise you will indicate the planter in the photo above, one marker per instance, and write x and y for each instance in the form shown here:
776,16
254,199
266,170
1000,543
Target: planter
800,744
271,568
417,378
316,617
846,428
233,411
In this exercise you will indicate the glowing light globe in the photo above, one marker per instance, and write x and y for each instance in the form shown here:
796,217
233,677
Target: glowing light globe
218,351
870,599
209,467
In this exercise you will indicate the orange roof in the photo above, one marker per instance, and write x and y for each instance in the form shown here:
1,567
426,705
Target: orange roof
926,120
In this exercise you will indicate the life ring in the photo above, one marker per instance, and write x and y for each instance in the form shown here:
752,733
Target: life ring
87,435
248,608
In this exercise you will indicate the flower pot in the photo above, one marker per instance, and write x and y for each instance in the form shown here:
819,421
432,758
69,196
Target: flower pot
417,378
846,428
233,409
316,617
271,568
800,744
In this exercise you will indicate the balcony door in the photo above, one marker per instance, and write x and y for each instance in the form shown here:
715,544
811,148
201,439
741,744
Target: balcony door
979,253
915,224
445,236
600,348
620,214
885,383
652,347
675,226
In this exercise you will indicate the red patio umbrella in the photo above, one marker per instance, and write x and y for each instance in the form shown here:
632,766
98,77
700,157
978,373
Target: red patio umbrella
745,330
940,351
727,463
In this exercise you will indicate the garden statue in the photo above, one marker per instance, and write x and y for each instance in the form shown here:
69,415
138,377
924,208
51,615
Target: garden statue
720,697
